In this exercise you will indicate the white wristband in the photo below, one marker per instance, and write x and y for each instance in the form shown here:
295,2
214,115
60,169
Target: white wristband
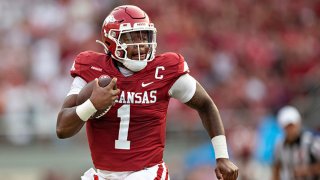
220,146
85,110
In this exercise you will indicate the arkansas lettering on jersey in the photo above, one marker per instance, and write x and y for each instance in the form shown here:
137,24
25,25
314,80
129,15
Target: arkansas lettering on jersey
131,136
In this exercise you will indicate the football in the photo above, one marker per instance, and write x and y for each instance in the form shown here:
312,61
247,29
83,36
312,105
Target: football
86,91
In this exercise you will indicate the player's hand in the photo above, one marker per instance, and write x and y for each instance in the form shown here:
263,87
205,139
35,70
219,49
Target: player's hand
226,170
103,97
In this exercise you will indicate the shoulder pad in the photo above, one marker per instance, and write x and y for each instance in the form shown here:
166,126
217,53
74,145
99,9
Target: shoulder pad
173,61
83,62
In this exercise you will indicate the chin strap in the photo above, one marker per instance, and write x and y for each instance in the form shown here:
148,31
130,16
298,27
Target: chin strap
135,65
132,65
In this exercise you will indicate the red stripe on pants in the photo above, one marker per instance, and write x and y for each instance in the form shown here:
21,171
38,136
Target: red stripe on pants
95,177
167,172
159,172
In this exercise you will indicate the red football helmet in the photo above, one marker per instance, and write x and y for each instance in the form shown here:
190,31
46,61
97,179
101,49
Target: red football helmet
129,26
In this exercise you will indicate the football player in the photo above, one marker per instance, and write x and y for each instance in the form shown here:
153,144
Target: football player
127,142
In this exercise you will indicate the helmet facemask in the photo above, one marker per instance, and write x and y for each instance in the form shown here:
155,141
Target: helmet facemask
140,40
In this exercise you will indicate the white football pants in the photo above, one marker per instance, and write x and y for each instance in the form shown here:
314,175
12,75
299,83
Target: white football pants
157,172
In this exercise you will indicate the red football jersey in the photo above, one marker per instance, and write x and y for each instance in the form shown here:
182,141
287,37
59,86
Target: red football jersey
131,136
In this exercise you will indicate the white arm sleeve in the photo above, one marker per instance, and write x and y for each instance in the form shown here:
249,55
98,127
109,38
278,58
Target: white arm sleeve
77,84
184,88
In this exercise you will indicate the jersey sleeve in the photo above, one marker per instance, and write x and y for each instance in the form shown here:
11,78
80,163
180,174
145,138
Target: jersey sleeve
82,66
174,64
171,67
180,64
176,67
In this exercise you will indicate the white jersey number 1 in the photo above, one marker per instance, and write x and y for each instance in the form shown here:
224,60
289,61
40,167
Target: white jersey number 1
124,115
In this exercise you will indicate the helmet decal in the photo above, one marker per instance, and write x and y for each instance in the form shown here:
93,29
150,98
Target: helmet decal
109,19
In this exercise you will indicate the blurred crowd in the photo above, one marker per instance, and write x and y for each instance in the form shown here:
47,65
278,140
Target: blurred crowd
253,57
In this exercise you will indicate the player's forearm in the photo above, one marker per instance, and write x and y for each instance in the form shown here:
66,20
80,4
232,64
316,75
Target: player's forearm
207,111
68,123
211,120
